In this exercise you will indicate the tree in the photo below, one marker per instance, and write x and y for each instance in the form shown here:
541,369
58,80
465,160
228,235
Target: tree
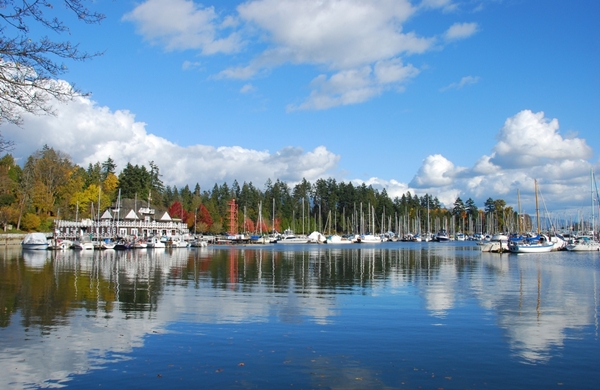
490,205
204,218
29,65
471,207
459,207
176,211
94,174
135,181
108,167
49,171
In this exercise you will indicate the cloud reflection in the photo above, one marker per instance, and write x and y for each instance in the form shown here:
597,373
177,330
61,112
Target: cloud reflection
104,304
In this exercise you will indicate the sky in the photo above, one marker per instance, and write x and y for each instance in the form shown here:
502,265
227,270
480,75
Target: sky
471,99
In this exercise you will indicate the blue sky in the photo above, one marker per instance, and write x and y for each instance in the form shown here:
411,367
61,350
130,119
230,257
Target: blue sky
453,98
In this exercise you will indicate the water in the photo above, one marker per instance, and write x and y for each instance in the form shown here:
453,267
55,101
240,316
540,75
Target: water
393,315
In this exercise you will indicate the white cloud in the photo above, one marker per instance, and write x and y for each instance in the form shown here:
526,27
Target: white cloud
529,139
340,34
467,80
342,38
446,5
529,147
247,88
90,133
188,65
181,25
460,31
436,171
355,85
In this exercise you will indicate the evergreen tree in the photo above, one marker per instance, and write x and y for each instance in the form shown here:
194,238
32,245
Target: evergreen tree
109,166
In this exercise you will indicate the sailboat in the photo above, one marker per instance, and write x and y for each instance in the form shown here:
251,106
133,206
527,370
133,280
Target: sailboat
587,242
370,238
539,244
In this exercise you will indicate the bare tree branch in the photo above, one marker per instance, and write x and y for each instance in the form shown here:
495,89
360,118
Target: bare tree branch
29,67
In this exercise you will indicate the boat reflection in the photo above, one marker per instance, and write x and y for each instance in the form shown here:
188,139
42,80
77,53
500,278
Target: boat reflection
91,307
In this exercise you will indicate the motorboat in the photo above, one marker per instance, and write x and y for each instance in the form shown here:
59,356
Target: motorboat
155,242
583,243
369,239
337,239
198,243
177,242
57,244
35,241
316,238
442,236
290,238
498,245
107,244
139,244
84,242
123,244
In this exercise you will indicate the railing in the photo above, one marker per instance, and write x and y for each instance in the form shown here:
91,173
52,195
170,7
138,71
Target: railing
110,229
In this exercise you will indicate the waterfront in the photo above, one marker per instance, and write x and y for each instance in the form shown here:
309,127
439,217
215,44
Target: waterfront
393,315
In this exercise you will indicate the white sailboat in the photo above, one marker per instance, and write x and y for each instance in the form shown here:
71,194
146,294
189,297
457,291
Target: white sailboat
539,244
587,242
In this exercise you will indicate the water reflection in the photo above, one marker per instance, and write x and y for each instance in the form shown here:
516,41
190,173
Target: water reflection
539,299
69,312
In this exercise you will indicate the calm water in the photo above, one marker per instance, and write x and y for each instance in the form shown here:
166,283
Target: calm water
394,315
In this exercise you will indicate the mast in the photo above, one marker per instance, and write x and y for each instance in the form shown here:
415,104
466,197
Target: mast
519,211
537,209
592,201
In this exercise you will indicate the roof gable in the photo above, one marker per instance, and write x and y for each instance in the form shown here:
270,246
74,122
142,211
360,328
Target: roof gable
131,215
106,215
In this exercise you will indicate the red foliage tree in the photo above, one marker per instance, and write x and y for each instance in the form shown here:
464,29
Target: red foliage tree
277,226
249,226
176,211
262,227
204,216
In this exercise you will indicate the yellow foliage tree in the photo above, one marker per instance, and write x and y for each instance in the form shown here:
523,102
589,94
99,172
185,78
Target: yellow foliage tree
87,201
110,185
31,222
41,198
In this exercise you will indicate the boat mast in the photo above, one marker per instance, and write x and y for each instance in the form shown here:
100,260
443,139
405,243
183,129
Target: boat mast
537,209
592,201
518,211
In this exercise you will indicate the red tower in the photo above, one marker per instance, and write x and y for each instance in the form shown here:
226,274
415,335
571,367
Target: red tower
233,211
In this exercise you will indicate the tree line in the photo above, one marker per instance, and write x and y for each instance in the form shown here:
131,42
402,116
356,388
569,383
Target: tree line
50,186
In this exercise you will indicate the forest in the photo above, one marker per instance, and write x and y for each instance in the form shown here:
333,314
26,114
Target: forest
50,186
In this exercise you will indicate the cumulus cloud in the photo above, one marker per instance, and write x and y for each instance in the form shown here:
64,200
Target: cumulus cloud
90,133
529,139
460,31
436,171
529,147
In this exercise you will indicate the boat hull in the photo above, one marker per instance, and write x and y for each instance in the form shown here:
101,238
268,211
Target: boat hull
531,248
